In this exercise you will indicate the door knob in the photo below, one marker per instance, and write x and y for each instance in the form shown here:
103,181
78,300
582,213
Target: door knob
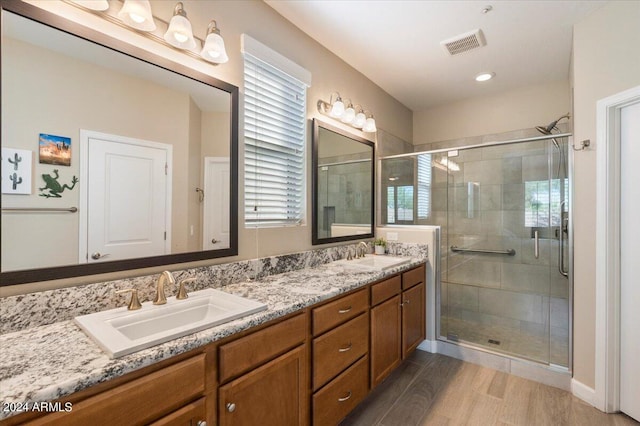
97,255
231,407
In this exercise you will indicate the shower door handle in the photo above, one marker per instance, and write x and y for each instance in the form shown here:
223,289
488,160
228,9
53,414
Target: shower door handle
564,228
536,245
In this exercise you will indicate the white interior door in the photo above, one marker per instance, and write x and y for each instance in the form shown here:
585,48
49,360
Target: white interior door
215,226
127,198
629,265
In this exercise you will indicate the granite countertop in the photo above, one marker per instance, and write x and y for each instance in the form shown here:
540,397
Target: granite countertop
51,361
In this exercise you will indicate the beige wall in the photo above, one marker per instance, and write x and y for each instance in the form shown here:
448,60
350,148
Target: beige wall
606,61
516,109
265,25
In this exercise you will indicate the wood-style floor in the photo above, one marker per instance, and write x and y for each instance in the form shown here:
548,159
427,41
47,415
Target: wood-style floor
432,389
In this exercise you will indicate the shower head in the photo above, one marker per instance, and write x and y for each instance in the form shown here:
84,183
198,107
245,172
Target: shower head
547,130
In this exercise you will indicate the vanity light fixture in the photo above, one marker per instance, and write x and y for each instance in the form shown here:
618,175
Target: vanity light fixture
177,33
137,14
213,49
352,115
98,5
180,34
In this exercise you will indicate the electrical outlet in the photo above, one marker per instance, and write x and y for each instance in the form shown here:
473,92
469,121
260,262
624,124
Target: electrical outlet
392,236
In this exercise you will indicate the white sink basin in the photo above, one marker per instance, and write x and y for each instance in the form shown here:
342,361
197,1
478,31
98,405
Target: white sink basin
376,262
120,332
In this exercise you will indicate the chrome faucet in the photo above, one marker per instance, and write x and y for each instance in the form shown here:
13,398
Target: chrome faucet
165,278
365,248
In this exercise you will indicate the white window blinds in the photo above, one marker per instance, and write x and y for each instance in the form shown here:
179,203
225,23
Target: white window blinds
274,137
424,186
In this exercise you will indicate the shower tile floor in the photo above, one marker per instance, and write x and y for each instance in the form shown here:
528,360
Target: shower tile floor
516,342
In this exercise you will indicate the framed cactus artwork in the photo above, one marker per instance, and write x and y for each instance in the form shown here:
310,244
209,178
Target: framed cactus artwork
16,171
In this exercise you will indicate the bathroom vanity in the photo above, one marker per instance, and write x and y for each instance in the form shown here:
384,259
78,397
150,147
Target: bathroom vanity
310,358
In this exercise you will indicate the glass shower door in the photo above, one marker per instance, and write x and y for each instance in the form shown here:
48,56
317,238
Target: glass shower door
502,286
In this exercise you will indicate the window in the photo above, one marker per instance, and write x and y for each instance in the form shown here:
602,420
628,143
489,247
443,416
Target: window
274,137
400,204
542,202
424,186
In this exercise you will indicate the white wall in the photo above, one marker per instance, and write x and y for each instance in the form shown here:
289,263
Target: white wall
606,60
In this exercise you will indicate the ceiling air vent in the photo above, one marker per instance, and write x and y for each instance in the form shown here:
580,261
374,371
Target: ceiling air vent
464,42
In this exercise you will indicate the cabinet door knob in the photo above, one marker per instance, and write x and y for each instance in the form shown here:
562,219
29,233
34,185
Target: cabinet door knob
344,311
231,407
348,348
214,241
201,423
344,398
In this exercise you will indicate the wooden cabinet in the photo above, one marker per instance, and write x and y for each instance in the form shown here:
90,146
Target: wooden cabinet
328,356
191,414
333,402
265,376
397,321
166,392
273,394
413,309
340,357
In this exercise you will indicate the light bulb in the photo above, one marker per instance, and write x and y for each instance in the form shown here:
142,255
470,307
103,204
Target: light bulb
179,34
213,49
370,125
359,120
337,109
137,14
349,115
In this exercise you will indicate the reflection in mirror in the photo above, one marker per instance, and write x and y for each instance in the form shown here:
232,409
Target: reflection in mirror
145,155
343,185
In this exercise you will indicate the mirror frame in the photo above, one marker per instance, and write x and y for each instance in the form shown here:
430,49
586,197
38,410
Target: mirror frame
317,124
52,273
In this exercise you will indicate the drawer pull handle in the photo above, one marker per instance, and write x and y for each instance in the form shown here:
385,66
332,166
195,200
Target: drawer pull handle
348,348
231,407
344,311
344,398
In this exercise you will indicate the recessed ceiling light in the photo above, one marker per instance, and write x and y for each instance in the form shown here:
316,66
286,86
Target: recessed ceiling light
485,76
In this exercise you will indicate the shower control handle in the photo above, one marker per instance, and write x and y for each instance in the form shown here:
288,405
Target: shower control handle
536,245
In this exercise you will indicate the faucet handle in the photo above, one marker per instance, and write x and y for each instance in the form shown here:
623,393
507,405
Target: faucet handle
134,303
182,292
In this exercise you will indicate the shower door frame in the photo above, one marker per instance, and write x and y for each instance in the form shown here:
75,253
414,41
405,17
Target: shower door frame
438,283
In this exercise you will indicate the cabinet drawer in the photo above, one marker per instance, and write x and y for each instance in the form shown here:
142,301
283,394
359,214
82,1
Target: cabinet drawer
140,401
328,316
339,348
338,398
385,289
413,277
257,348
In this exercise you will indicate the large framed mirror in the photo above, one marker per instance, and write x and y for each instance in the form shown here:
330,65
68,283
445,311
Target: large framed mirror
113,158
343,185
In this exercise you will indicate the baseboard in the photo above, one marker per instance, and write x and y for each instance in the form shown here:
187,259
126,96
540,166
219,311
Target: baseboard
584,392
430,346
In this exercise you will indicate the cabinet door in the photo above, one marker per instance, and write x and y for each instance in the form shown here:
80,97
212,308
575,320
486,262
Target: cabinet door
274,394
413,318
385,339
189,415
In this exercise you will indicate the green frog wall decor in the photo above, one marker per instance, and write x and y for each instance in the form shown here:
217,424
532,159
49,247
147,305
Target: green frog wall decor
53,186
